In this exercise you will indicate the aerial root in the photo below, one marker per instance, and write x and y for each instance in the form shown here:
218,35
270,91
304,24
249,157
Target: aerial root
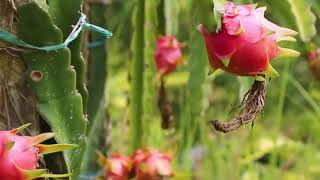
165,107
252,104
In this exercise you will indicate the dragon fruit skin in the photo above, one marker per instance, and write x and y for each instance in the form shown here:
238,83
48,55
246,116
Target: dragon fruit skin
168,54
117,167
152,164
314,63
247,42
19,155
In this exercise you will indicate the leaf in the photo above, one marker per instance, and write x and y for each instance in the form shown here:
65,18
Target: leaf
305,19
54,82
65,14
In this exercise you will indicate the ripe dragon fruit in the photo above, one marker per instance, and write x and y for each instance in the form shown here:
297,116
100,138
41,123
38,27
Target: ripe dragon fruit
118,167
314,63
19,155
146,164
168,54
151,164
247,42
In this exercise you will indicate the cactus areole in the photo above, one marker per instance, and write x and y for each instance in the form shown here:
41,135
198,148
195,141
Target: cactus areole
19,155
247,42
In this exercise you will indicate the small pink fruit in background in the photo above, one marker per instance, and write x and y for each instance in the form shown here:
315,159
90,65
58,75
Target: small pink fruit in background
168,54
314,63
117,167
19,155
247,42
152,164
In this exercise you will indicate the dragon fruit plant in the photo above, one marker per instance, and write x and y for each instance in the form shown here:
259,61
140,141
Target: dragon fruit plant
168,56
246,45
20,155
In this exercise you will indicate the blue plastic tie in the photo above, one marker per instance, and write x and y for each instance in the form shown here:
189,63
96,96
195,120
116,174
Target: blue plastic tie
82,24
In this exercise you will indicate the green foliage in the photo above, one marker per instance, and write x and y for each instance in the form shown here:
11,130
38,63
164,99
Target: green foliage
53,81
171,12
315,5
150,92
305,19
136,75
65,14
283,141
97,75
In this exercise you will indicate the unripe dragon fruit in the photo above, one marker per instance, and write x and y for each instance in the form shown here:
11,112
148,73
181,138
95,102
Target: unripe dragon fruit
19,155
247,42
168,54
117,167
151,164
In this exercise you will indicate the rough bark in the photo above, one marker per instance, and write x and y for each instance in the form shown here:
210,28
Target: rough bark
17,102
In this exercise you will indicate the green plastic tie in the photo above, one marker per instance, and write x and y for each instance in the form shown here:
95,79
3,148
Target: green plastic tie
81,24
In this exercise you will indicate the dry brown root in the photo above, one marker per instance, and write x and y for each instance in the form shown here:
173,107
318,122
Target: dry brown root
252,104
165,108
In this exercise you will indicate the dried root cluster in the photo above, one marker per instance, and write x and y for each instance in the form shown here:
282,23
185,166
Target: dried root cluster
252,105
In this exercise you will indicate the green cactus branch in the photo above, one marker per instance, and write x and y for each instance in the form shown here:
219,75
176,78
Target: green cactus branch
54,82
65,13
198,68
137,71
149,103
97,75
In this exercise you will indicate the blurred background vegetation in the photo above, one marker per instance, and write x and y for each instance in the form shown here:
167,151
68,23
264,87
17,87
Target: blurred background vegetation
285,139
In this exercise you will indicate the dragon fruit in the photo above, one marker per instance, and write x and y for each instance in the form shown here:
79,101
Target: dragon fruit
314,63
151,164
19,155
117,167
146,164
247,42
168,54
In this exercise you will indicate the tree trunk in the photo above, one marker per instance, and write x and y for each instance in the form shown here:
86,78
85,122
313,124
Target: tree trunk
17,102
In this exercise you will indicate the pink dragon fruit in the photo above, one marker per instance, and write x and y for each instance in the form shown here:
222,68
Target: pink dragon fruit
151,164
314,63
168,54
247,42
19,155
118,167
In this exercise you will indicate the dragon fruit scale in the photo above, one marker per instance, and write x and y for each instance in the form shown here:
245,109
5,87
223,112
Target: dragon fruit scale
247,42
19,155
